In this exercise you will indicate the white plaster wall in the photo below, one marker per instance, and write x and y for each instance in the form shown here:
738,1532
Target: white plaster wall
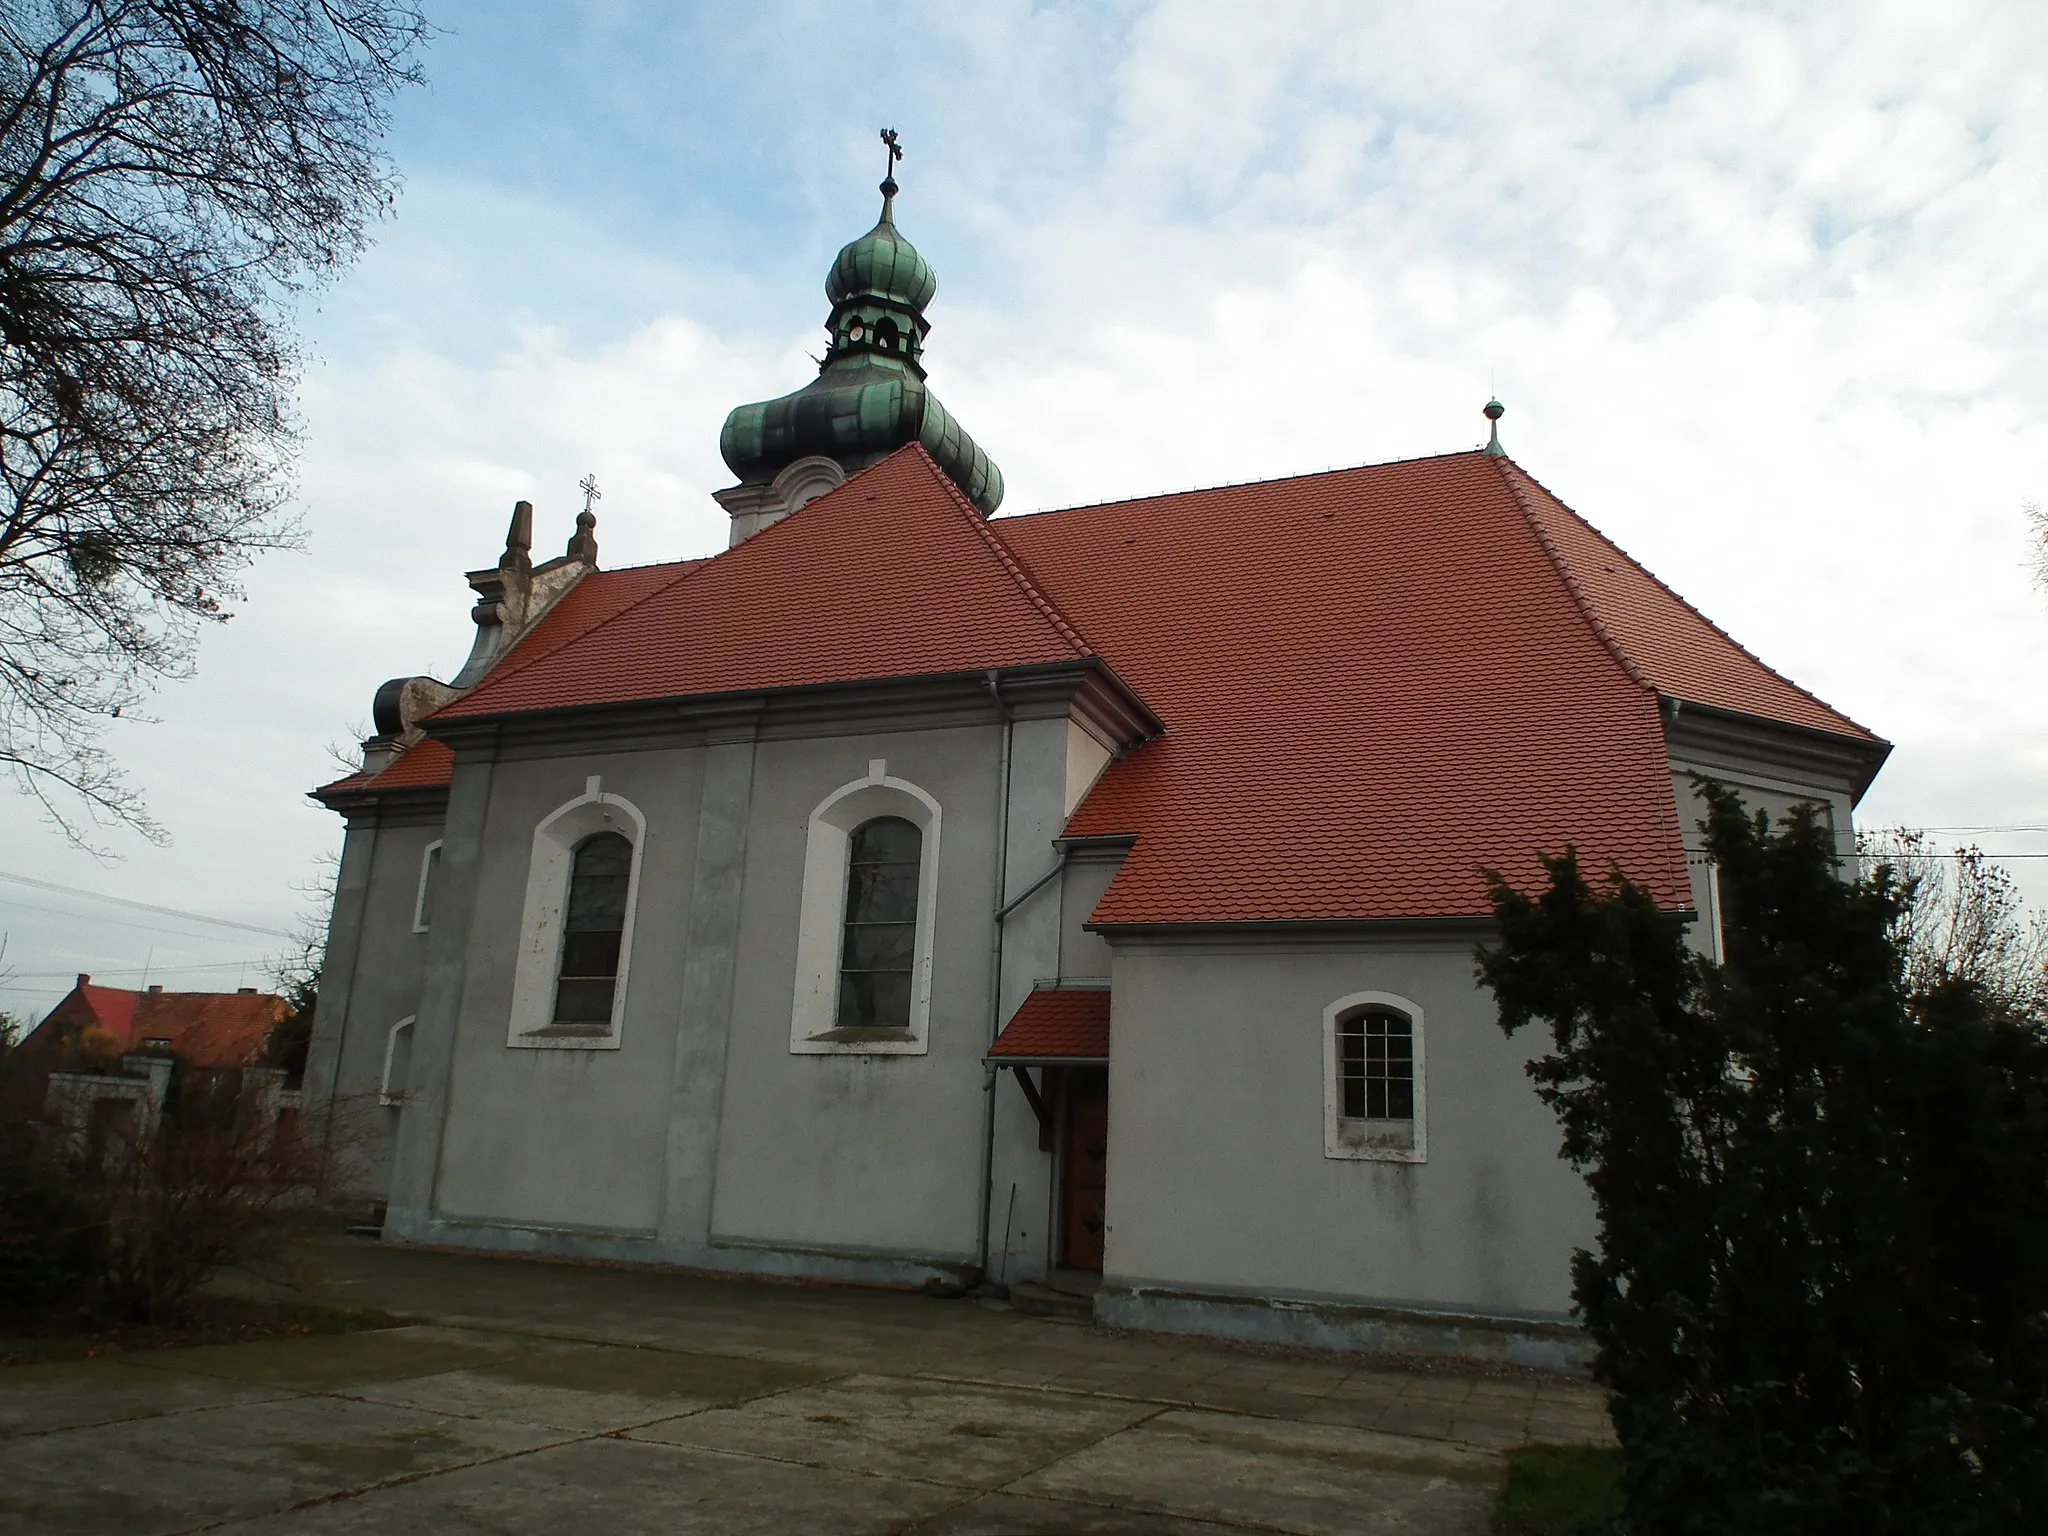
1217,1178
570,1138
383,986
1084,955
858,1153
1761,786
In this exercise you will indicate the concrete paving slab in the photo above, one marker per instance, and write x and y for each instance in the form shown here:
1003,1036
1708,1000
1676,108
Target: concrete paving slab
35,1399
611,1485
970,1436
168,1474
589,1388
339,1360
1008,1514
1306,1479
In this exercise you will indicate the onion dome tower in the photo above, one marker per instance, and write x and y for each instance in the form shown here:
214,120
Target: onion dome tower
869,398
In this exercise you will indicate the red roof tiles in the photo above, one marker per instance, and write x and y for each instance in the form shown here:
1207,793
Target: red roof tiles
208,1029
1057,1024
1673,646
1375,686
893,574
1376,683
597,597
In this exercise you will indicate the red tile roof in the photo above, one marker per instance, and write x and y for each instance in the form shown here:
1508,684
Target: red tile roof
1375,683
598,596
208,1029
1673,646
894,574
1375,686
1057,1024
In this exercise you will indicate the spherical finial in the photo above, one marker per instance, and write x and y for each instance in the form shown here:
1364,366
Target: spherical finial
1495,410
889,187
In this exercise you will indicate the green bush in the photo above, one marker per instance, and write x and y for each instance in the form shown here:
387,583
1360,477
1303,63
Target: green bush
1821,1293
48,1249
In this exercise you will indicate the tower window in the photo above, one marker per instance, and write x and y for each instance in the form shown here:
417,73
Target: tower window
593,927
880,939
886,335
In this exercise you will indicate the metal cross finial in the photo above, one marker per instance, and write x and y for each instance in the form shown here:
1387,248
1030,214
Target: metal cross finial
591,494
889,170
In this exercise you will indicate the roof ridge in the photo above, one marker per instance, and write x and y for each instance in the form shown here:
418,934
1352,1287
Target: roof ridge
1236,485
1011,562
1571,582
1665,587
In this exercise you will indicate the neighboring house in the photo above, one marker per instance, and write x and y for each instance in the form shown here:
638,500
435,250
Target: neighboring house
90,1100
904,892
211,1031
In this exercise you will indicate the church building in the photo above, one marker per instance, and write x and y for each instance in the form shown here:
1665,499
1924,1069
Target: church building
907,893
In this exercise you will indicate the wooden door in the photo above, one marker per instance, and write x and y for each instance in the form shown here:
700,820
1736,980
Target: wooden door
1084,1167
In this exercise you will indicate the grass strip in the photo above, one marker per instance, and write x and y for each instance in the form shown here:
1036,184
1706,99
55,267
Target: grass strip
1560,1490
61,1336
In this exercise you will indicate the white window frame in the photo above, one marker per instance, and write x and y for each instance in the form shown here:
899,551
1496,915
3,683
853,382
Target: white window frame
420,914
386,1095
1352,1140
814,1015
531,1026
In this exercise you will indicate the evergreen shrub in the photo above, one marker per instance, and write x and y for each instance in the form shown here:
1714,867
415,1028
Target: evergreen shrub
1820,1297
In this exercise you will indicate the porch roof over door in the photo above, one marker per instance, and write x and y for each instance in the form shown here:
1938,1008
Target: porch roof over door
1056,1026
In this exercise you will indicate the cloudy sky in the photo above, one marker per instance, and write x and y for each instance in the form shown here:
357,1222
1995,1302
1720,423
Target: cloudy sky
1762,287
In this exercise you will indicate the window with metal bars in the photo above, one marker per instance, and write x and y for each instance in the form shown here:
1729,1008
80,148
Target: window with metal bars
593,929
880,939
1376,1066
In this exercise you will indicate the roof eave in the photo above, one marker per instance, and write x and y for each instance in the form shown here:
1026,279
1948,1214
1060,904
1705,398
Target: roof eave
1855,760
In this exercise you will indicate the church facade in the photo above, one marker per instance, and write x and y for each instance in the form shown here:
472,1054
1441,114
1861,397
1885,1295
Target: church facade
907,892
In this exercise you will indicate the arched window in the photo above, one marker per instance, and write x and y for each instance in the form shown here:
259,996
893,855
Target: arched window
880,941
1373,1081
865,927
593,927
885,335
1376,1065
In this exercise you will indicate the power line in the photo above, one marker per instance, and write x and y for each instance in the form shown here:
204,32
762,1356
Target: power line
140,970
143,906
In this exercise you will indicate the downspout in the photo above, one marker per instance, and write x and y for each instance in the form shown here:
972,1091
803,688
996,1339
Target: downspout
995,976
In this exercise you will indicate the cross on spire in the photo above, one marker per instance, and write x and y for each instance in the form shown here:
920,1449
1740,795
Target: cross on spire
889,170
591,494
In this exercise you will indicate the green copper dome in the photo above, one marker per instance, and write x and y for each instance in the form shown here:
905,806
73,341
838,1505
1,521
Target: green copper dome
882,265
870,397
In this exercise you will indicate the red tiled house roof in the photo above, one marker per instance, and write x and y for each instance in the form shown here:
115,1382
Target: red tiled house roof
1375,683
214,1030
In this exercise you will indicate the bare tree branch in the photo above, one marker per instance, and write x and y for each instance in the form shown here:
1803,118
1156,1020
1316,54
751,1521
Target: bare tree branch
173,173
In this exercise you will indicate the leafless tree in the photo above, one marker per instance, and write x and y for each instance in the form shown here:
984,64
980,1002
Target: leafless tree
2037,541
172,174
1963,920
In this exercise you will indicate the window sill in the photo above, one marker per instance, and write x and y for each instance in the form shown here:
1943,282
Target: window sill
566,1037
1383,1141
860,1042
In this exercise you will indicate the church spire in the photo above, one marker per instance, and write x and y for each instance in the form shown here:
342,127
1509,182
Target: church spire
870,396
